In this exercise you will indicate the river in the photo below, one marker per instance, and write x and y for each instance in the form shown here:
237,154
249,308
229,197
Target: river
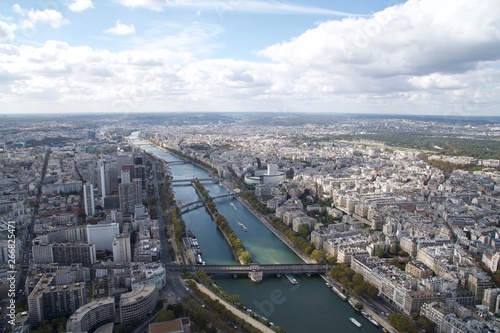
308,306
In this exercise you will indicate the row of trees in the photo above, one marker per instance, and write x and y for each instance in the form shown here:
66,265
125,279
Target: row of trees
301,243
449,167
236,245
253,201
454,146
223,312
298,239
355,281
402,323
201,318
179,228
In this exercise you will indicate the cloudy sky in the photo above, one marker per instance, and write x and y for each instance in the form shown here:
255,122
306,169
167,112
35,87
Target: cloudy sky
371,56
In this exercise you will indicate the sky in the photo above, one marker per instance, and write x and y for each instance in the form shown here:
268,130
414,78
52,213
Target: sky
429,57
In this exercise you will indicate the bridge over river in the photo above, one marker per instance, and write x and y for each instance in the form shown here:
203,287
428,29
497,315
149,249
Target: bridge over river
201,202
255,271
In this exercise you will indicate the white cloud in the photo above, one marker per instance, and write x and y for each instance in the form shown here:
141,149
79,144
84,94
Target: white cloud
121,29
246,6
413,58
7,31
80,5
416,38
17,9
48,16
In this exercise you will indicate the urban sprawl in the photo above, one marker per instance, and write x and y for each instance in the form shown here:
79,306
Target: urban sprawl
88,239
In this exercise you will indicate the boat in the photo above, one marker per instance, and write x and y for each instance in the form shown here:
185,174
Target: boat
373,321
232,205
291,278
242,226
339,293
355,322
220,183
328,285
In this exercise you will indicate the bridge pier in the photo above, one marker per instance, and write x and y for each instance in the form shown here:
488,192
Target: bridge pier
255,273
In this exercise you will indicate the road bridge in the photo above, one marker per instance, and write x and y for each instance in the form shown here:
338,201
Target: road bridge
264,268
177,162
192,180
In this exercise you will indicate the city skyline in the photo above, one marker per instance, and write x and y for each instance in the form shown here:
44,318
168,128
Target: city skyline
413,57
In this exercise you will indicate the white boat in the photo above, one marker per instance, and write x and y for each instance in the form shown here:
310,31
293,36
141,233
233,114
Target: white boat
355,322
232,205
291,278
242,226
339,293
373,321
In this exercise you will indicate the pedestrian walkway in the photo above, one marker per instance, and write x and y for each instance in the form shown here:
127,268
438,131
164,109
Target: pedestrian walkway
255,323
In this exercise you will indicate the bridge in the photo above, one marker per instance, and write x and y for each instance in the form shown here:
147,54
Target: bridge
245,269
192,180
177,162
226,195
197,202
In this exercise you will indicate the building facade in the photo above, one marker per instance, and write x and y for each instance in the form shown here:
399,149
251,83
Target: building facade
137,305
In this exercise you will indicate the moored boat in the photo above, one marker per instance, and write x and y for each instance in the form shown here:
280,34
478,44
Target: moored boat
291,278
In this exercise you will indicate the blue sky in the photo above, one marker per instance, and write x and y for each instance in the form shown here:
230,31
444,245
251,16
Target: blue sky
418,57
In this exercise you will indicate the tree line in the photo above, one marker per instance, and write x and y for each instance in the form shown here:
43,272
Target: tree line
235,243
352,280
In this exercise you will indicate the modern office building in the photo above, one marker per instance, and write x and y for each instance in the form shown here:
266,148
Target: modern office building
103,183
137,305
138,197
91,316
126,194
131,169
102,235
121,248
122,160
125,176
88,199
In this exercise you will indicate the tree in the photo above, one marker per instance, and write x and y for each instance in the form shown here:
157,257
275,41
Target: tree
245,258
402,323
304,230
358,306
380,252
426,324
357,278
165,315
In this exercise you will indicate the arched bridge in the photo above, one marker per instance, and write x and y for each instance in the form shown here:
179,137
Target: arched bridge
185,205
245,269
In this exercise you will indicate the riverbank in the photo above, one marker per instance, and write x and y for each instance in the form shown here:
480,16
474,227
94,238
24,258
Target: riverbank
275,231
244,316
